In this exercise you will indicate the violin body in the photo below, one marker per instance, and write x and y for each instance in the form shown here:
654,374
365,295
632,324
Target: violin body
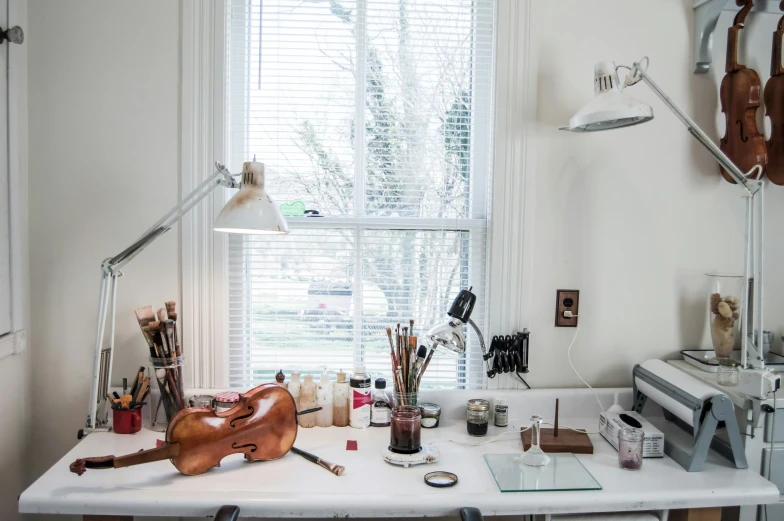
740,98
262,426
774,105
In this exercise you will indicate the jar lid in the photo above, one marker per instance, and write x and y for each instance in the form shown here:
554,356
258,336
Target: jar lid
430,408
381,383
726,362
227,397
477,404
500,401
341,376
200,400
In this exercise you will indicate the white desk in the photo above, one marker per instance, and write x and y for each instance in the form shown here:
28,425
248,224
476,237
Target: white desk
294,487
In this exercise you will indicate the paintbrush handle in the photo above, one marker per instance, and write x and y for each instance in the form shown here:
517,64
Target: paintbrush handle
332,467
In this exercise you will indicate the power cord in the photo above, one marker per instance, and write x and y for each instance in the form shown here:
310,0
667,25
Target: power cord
568,314
770,451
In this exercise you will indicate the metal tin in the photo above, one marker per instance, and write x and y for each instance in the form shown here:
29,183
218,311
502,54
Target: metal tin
201,400
477,404
431,415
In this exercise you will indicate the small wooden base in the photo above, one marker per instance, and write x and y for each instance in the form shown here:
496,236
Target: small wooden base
567,441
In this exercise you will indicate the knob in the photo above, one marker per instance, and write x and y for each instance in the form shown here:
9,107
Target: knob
14,35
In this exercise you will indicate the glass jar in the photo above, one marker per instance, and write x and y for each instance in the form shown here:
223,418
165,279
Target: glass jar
171,398
728,373
630,448
404,398
405,434
477,416
431,415
724,311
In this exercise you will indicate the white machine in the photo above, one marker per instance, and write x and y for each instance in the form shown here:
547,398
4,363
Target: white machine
691,405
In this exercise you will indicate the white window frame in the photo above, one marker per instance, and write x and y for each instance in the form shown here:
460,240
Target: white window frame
204,253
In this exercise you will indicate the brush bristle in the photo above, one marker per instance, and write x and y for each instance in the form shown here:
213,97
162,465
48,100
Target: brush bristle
154,326
145,314
173,316
162,316
421,352
171,306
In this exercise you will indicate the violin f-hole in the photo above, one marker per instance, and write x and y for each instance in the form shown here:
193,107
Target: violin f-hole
742,137
238,418
235,446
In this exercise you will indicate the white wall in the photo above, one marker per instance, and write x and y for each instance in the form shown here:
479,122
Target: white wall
104,141
632,218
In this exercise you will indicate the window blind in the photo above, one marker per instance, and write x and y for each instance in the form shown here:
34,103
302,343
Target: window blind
376,114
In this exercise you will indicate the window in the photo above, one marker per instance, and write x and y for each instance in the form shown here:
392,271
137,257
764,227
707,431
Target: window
377,114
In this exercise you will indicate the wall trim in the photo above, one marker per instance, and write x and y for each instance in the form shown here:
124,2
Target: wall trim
511,221
17,182
203,330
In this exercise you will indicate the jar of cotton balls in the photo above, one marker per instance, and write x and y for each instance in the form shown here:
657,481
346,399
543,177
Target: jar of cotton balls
630,448
724,312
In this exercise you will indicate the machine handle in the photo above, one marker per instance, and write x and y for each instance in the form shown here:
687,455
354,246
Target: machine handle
14,35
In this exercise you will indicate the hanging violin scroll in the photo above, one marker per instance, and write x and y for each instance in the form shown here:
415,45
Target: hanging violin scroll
774,105
740,99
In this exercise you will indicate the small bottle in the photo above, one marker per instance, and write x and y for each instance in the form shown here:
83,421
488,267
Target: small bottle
324,397
630,442
307,400
501,413
294,388
340,401
359,402
379,413
280,378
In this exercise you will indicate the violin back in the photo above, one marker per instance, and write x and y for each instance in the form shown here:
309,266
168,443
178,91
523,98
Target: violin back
740,94
263,426
774,105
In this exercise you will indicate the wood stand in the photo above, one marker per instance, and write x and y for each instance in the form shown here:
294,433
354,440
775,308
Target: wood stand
559,440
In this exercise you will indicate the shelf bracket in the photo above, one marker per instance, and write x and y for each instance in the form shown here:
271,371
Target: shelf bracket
706,15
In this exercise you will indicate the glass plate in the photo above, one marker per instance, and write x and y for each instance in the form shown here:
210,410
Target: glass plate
565,472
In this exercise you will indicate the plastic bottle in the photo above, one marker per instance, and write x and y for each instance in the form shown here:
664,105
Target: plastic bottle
615,407
380,411
340,404
294,388
324,398
359,404
307,400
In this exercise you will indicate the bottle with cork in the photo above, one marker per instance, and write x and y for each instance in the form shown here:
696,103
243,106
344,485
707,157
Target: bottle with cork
324,399
308,400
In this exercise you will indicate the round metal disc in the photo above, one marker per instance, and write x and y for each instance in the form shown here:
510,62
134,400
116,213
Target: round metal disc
440,479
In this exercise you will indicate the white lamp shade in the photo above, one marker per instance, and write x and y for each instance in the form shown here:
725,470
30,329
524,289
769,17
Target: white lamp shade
610,107
251,210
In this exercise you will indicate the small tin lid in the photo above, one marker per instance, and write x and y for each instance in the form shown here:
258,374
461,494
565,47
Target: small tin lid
227,397
431,409
477,404
726,362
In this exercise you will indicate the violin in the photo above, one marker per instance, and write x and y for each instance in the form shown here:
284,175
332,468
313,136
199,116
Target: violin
774,104
262,426
740,99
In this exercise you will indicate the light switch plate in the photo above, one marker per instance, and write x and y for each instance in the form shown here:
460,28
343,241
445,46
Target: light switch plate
566,300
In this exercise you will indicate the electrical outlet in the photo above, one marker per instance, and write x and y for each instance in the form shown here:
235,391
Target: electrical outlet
566,300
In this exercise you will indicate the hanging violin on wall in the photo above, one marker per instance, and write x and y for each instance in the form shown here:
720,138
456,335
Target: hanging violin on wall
774,105
740,99
262,426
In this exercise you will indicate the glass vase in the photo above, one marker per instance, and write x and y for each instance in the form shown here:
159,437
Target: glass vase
170,399
724,312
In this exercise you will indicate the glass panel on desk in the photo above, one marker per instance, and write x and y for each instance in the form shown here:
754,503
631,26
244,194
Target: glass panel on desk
565,472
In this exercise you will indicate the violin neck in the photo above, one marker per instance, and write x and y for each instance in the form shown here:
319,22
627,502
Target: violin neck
775,56
732,49
148,456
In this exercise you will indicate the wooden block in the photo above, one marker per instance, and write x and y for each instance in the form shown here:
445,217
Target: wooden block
567,441
696,514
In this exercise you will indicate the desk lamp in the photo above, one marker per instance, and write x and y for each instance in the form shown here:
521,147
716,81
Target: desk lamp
249,211
449,334
612,108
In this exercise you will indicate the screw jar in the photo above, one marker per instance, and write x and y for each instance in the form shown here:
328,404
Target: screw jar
728,373
477,416
431,415
405,434
630,448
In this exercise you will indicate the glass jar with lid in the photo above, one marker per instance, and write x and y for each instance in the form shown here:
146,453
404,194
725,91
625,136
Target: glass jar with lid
431,415
630,442
477,416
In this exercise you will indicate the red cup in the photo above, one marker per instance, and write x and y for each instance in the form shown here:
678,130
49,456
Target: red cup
127,421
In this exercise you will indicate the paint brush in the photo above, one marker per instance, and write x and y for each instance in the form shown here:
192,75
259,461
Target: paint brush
424,367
